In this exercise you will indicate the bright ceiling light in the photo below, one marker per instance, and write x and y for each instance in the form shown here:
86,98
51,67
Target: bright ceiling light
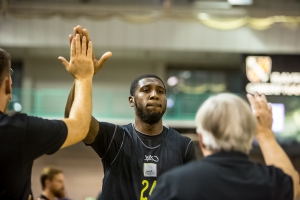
240,2
203,16
172,81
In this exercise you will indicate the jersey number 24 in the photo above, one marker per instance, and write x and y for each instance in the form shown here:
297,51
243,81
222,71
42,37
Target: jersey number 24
146,186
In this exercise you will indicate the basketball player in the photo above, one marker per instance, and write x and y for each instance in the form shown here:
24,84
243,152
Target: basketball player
24,138
134,155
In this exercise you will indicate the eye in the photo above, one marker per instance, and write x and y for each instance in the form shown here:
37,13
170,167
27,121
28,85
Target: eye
161,92
145,90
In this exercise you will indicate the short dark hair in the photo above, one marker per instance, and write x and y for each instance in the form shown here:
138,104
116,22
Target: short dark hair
48,174
134,83
4,64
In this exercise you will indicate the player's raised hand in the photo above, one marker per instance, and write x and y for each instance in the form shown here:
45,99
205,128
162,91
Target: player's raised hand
262,110
98,64
81,64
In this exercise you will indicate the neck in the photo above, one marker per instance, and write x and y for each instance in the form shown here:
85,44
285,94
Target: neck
4,98
207,152
48,194
148,129
3,105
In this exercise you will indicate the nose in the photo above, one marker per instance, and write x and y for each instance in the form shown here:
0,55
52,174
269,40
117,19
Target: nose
153,95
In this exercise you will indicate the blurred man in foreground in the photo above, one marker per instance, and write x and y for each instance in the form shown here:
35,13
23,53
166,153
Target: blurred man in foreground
53,186
24,138
226,127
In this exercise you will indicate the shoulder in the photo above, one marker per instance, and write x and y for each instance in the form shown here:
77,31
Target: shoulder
13,121
279,183
275,174
109,127
269,171
128,127
181,138
4,118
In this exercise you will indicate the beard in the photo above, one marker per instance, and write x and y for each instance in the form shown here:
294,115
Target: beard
59,193
148,117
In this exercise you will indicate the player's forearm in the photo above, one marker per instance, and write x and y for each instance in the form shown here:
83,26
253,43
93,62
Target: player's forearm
70,101
274,155
82,105
80,114
94,125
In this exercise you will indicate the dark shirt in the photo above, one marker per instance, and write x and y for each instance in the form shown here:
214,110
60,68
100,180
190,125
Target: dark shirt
225,176
22,140
132,161
43,197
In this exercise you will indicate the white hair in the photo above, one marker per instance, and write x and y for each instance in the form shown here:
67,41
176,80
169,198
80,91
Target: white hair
226,122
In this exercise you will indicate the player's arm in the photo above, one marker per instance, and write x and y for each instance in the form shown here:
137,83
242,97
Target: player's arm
81,67
272,152
94,125
98,64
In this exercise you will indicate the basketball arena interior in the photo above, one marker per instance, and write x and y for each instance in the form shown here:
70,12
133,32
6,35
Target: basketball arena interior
199,48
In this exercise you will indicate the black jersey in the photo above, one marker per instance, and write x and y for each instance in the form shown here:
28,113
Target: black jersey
132,162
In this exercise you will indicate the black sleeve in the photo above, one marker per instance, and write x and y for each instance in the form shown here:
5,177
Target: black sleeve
281,184
108,141
43,137
190,154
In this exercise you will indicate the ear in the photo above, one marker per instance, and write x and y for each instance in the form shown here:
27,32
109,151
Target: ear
131,101
47,183
202,146
8,87
205,151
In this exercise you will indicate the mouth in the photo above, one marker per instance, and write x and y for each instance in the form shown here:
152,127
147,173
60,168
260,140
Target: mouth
153,105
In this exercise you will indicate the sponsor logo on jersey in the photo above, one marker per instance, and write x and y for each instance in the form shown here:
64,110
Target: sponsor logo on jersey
150,170
151,158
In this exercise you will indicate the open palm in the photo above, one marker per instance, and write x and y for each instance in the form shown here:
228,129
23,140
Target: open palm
98,64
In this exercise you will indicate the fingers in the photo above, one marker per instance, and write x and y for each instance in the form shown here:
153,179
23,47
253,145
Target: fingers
270,108
75,31
87,35
257,97
259,102
88,38
105,57
101,61
262,110
70,38
73,48
263,103
79,30
64,61
90,50
78,44
253,102
83,48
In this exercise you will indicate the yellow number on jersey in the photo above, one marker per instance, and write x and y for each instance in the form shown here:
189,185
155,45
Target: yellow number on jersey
146,183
